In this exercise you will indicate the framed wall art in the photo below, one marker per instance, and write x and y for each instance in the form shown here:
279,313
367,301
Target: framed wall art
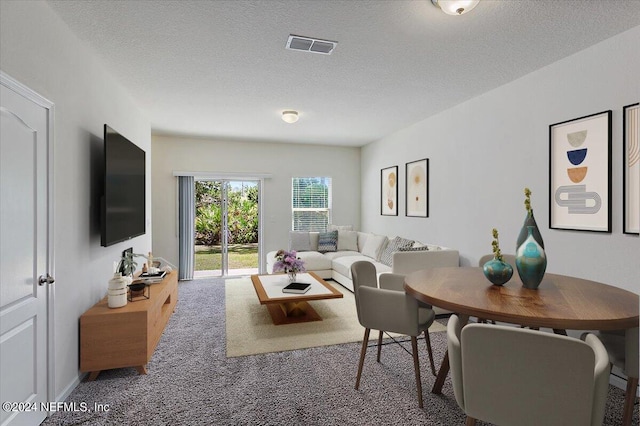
417,188
389,191
631,169
580,173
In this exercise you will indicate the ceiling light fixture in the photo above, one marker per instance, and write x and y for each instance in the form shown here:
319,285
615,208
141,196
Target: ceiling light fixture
290,116
455,7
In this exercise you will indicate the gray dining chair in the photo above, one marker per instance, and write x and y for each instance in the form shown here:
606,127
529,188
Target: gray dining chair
389,309
622,348
514,376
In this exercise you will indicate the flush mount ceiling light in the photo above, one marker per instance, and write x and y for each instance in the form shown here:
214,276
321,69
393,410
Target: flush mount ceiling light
290,116
455,7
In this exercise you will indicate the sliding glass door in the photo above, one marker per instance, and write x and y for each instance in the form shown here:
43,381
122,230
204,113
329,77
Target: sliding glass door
227,227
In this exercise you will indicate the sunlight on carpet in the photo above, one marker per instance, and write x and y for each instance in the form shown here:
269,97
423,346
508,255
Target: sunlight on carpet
251,331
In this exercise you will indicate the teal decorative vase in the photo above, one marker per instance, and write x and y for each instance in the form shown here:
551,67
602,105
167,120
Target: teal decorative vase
530,220
497,271
531,261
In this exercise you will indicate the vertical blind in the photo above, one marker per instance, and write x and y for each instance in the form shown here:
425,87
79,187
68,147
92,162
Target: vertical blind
186,234
310,203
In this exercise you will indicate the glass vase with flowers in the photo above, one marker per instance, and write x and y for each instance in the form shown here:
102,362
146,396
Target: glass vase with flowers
288,262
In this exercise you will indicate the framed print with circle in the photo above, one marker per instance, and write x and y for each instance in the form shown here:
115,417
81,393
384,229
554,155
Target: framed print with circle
389,191
417,188
580,173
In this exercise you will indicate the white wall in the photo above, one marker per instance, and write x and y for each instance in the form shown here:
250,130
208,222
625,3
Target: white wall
484,152
283,161
38,49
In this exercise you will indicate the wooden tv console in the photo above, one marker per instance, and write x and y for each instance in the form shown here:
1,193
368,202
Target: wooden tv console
126,336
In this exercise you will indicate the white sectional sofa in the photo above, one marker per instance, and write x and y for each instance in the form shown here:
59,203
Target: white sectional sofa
357,246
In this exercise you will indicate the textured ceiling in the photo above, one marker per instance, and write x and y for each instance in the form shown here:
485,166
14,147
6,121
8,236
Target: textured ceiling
219,69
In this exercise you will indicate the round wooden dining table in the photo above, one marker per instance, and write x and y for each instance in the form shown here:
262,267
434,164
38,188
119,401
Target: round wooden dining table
561,302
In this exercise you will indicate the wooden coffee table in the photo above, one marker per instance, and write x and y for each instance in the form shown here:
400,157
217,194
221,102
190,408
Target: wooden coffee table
288,308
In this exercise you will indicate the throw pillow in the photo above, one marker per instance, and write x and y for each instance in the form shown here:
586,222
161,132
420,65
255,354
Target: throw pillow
394,245
328,241
347,240
419,248
299,241
374,245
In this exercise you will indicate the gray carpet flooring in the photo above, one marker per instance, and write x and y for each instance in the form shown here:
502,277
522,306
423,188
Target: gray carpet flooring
191,382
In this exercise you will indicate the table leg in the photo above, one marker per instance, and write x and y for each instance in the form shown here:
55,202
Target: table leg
442,374
444,367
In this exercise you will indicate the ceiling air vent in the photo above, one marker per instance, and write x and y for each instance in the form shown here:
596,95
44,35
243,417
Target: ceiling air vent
308,44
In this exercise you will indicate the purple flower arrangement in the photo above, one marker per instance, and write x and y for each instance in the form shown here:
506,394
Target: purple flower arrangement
287,261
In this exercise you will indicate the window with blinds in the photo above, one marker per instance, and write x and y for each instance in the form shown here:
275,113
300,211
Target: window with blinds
311,203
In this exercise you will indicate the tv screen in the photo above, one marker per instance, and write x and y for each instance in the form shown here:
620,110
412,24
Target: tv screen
123,203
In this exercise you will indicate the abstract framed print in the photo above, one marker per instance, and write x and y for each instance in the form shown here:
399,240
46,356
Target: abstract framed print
580,173
631,169
417,188
389,191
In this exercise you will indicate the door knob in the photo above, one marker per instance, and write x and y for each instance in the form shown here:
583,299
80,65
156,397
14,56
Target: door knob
46,279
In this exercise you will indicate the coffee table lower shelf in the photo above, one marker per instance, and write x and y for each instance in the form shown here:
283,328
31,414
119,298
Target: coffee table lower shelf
292,313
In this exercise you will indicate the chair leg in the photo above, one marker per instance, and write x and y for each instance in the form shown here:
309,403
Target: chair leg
629,400
379,344
416,366
470,421
428,340
363,352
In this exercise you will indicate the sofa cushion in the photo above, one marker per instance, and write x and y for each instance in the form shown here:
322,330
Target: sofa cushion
336,254
347,240
299,241
373,246
328,241
314,261
393,245
342,265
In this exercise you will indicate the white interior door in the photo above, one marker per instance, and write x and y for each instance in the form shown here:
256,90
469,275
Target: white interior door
25,257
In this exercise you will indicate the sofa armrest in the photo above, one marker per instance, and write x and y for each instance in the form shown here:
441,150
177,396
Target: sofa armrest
406,262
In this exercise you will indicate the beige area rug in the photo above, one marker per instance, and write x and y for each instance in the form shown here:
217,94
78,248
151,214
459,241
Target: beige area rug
250,329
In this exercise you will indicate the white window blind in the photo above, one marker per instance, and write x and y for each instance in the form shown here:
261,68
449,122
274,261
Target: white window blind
310,203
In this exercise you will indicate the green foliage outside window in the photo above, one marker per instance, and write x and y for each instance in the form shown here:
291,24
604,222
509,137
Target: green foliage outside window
242,209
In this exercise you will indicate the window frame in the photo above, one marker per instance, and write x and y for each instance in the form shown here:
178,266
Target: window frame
328,209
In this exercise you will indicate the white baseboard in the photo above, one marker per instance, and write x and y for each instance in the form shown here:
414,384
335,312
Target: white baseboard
68,389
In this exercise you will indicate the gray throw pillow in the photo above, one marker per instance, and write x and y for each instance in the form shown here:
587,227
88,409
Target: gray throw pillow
328,241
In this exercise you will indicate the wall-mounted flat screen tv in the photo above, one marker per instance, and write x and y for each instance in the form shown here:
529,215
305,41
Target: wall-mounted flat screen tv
123,201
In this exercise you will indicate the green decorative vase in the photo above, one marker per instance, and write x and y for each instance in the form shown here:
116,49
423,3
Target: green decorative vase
497,271
531,261
530,220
